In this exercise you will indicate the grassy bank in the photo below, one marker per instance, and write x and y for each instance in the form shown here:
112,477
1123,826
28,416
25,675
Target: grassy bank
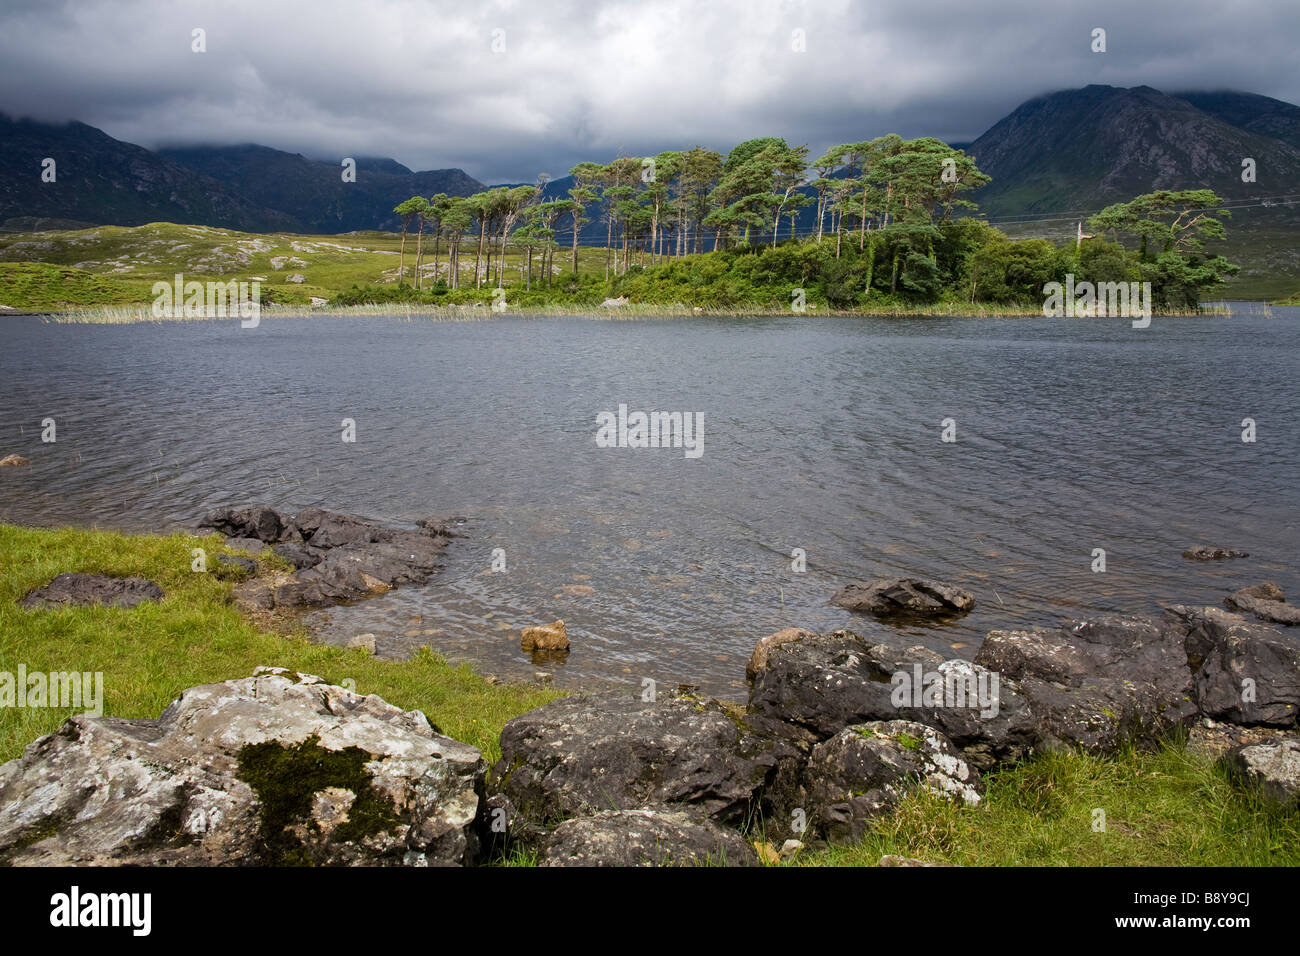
106,274
150,653
1175,807
1172,808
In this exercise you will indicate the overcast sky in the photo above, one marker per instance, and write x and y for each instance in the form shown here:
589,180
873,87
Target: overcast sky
590,79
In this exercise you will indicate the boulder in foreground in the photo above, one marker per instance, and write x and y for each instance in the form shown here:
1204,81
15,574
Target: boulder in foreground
1098,684
645,837
1272,769
1243,672
864,770
615,751
279,768
826,682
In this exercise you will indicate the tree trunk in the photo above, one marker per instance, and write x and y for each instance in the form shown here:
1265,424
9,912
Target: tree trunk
401,262
478,254
577,215
419,251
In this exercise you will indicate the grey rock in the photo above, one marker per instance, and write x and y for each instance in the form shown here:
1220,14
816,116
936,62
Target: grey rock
864,770
298,555
238,564
364,642
613,751
251,545
1266,601
261,523
1098,684
83,590
1271,769
1204,552
827,682
338,557
645,837
220,778
1243,672
905,597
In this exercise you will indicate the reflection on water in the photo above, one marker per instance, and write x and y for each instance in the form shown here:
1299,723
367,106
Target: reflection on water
820,434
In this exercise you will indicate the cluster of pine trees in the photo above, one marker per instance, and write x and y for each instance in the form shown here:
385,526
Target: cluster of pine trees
891,216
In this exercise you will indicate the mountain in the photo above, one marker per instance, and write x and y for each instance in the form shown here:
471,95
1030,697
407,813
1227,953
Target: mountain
101,180
1085,149
1058,158
1250,111
313,191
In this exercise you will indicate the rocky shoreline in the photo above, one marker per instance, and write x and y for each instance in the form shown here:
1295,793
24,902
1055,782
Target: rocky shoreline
837,728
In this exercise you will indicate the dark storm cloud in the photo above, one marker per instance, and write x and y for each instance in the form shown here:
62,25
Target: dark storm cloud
420,81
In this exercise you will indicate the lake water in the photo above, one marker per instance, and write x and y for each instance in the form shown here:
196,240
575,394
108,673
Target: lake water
822,434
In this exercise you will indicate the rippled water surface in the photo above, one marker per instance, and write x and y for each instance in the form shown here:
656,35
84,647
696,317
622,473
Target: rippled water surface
819,434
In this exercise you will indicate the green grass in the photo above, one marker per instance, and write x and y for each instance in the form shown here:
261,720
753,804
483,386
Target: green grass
43,286
1169,808
150,653
129,259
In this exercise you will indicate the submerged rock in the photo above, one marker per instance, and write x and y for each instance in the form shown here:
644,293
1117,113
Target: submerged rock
83,590
645,837
278,768
545,637
909,597
1204,552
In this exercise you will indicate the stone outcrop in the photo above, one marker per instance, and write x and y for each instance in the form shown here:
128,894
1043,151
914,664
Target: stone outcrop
864,770
1098,684
905,597
337,557
1242,671
614,751
1266,601
645,837
278,768
1205,552
824,683
83,590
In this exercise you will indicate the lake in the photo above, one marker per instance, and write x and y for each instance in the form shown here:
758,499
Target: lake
820,434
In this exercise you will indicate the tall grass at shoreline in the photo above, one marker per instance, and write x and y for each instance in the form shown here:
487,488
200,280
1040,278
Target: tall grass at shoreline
139,314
